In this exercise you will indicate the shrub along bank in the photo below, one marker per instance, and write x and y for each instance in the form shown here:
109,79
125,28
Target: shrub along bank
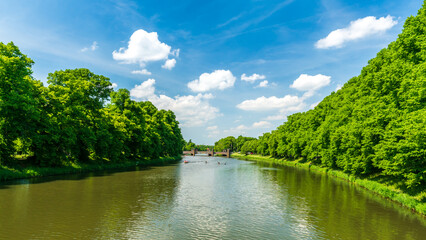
18,171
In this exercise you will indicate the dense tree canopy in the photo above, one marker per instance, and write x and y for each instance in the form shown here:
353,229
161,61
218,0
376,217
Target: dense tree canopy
375,124
78,117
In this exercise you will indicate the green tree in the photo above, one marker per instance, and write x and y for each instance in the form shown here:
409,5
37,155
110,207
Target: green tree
20,101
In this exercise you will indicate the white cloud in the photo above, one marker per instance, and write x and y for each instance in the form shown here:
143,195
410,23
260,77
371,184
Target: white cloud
145,90
264,83
252,78
241,127
190,110
143,47
219,79
239,130
142,72
93,47
306,82
286,103
169,64
338,87
114,85
211,128
261,124
357,29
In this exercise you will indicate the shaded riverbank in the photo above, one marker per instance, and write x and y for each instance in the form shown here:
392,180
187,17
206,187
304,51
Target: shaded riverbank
381,189
18,172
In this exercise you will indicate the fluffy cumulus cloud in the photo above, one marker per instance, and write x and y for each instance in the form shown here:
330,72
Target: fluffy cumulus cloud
306,82
286,103
114,85
252,78
190,110
142,72
219,79
145,47
145,90
357,29
169,64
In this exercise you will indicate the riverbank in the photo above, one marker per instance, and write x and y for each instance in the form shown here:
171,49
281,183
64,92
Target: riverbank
383,190
20,172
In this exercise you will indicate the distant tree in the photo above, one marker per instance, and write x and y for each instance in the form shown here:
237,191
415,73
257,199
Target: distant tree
189,146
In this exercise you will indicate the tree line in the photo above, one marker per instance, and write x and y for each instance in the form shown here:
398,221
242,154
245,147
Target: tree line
78,117
188,146
374,125
232,143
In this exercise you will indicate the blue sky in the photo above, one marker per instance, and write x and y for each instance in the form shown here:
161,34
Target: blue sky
224,67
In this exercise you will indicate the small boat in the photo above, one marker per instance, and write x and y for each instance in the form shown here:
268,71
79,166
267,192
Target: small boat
185,161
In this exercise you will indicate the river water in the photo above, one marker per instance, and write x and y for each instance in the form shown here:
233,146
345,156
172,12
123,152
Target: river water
199,200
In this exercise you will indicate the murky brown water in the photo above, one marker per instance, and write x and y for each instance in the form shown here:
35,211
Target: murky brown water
239,200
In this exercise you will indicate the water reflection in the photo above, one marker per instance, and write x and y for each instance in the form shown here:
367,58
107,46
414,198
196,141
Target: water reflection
100,207
339,210
198,200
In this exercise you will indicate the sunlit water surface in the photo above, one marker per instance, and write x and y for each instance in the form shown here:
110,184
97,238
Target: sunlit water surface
199,200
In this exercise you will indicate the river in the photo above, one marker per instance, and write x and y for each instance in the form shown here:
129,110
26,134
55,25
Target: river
199,200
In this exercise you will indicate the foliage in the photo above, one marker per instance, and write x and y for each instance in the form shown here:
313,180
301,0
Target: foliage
77,118
225,143
201,147
19,100
188,146
374,125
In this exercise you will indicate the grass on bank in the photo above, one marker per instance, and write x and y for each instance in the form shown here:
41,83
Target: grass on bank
383,190
18,171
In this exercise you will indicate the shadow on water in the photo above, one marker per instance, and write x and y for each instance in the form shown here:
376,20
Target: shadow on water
79,176
108,204
339,196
